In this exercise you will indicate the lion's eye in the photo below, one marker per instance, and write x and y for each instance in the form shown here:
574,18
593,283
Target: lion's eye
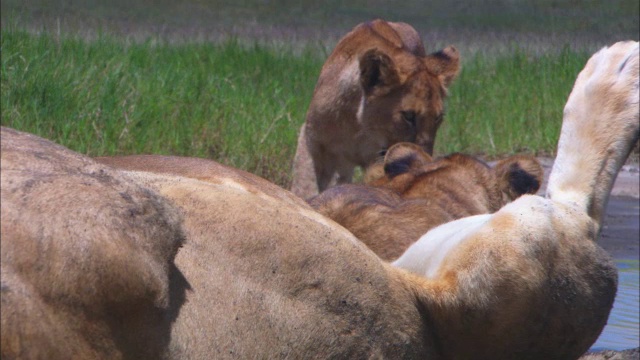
410,117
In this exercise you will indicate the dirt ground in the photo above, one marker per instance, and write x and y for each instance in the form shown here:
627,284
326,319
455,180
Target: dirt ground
621,231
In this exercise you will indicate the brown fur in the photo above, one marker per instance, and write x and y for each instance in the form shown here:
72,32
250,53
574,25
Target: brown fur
377,88
409,193
263,277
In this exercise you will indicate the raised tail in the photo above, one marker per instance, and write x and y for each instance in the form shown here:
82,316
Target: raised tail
600,126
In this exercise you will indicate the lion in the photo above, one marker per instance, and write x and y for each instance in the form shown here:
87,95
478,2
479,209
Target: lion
409,193
526,282
87,254
377,88
546,245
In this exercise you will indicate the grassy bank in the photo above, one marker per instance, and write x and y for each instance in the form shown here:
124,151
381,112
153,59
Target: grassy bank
510,104
243,105
240,106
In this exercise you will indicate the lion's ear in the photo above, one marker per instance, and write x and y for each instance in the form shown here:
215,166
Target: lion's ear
518,175
377,72
445,64
404,157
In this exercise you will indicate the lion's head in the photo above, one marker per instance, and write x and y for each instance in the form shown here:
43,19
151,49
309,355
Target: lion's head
403,94
377,88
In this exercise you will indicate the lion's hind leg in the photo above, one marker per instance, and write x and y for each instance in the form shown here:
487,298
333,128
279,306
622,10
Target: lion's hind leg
600,126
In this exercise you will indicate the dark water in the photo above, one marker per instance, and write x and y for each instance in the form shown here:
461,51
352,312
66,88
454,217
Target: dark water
623,329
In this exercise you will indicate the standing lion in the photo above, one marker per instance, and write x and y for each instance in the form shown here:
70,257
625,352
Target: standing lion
377,88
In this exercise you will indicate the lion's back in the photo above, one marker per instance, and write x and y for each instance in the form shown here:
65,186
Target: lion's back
79,240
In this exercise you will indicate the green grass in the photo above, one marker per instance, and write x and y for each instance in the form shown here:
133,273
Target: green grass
509,104
231,80
243,105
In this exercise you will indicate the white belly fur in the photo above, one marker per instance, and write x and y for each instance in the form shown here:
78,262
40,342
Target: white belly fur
425,255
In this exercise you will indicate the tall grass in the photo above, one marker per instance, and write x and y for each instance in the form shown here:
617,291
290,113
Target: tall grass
243,105
512,103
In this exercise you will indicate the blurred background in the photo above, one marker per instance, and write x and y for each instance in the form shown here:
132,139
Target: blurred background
480,25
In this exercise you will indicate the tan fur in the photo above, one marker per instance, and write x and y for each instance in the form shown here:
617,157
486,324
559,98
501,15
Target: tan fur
377,88
201,169
409,193
86,256
531,270
259,276
544,260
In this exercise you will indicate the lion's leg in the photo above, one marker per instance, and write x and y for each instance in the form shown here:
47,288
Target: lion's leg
532,263
345,172
325,166
599,129
535,261
304,183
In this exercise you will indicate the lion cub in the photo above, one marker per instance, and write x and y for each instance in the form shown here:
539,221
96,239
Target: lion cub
409,193
377,88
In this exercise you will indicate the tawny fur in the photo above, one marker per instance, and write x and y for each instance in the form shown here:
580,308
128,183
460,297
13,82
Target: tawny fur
86,257
537,257
200,169
259,276
377,88
408,193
